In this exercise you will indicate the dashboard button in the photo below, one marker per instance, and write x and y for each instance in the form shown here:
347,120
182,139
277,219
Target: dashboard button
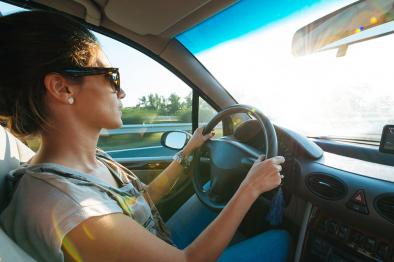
332,227
370,244
343,232
359,197
358,202
382,250
358,208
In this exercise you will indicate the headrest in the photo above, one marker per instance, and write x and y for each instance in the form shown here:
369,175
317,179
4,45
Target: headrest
12,153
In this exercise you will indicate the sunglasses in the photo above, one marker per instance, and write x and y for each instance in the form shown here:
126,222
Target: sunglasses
111,72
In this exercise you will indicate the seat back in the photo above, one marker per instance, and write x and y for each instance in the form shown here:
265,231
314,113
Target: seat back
12,153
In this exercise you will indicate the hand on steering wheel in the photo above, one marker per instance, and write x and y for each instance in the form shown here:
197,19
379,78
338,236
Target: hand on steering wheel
230,160
197,140
264,175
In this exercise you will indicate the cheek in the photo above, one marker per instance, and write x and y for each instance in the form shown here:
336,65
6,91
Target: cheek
98,105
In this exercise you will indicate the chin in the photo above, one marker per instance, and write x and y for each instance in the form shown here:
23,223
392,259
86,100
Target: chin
118,124
114,124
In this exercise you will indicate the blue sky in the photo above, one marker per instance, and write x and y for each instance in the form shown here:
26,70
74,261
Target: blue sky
255,14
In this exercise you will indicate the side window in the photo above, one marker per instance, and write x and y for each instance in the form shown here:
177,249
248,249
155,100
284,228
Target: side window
205,113
156,101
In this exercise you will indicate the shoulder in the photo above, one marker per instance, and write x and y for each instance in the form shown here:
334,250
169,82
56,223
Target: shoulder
47,188
44,207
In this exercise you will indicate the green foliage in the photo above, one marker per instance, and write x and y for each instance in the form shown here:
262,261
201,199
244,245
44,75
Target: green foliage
153,107
185,116
132,115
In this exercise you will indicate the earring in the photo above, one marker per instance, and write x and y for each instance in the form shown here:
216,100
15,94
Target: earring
70,100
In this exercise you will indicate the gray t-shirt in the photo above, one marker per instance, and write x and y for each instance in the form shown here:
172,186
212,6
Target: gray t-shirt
46,206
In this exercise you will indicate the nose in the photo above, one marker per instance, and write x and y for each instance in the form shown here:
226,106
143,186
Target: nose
121,94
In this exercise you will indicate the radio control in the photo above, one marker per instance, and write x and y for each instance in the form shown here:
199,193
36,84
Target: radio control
343,232
330,239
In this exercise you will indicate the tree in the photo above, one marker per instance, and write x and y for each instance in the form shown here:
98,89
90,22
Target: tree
143,102
156,102
188,101
174,104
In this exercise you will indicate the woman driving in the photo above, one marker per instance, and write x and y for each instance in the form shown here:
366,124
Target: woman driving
72,201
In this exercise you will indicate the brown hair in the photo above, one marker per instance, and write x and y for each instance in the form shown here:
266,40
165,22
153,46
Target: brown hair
33,44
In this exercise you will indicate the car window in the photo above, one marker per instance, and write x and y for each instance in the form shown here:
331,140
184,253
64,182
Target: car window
6,9
156,101
205,113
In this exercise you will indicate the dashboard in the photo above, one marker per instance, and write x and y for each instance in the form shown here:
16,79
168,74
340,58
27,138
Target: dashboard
351,201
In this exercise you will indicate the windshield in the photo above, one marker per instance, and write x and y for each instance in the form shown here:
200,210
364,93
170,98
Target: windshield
247,47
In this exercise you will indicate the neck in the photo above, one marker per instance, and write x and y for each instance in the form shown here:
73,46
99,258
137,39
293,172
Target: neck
71,147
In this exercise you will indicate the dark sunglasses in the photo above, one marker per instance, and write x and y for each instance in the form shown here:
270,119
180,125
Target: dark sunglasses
111,72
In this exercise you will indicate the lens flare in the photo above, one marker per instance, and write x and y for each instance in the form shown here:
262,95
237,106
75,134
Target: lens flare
68,246
373,20
358,30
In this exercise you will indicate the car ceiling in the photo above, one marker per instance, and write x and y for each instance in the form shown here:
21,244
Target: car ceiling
152,19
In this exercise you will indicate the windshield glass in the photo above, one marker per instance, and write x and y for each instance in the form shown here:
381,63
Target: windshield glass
247,47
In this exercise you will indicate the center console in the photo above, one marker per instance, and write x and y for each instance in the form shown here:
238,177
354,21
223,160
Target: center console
329,239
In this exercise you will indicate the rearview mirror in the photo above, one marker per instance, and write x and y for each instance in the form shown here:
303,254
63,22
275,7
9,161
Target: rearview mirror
359,21
175,139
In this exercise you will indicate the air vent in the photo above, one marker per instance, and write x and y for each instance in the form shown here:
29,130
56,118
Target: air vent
384,204
326,186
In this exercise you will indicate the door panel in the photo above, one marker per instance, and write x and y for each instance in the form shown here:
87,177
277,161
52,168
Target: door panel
148,168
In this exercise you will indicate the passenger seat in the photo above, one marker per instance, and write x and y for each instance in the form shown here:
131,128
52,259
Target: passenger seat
12,153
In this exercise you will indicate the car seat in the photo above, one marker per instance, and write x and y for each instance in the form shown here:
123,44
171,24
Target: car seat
12,153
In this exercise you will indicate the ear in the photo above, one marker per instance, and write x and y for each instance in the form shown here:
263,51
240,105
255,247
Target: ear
59,88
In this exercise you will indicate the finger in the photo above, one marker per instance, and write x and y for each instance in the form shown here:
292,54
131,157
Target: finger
259,159
203,130
278,167
199,130
209,135
277,160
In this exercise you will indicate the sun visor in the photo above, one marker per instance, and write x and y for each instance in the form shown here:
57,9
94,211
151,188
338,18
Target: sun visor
146,17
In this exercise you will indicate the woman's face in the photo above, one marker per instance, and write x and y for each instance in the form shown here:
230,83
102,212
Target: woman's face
97,102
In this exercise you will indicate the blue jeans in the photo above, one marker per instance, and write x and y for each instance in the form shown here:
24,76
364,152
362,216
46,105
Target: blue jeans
193,217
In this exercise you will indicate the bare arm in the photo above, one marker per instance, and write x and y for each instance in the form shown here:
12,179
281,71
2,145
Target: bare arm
118,237
161,185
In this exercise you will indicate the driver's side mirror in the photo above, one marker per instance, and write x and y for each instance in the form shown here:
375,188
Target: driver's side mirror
175,139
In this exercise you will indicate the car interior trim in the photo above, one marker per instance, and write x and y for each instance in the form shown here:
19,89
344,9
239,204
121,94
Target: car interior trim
359,167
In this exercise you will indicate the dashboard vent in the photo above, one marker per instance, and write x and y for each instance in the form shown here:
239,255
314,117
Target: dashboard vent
384,204
326,186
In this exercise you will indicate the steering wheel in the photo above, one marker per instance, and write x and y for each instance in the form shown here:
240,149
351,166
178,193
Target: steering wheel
229,160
